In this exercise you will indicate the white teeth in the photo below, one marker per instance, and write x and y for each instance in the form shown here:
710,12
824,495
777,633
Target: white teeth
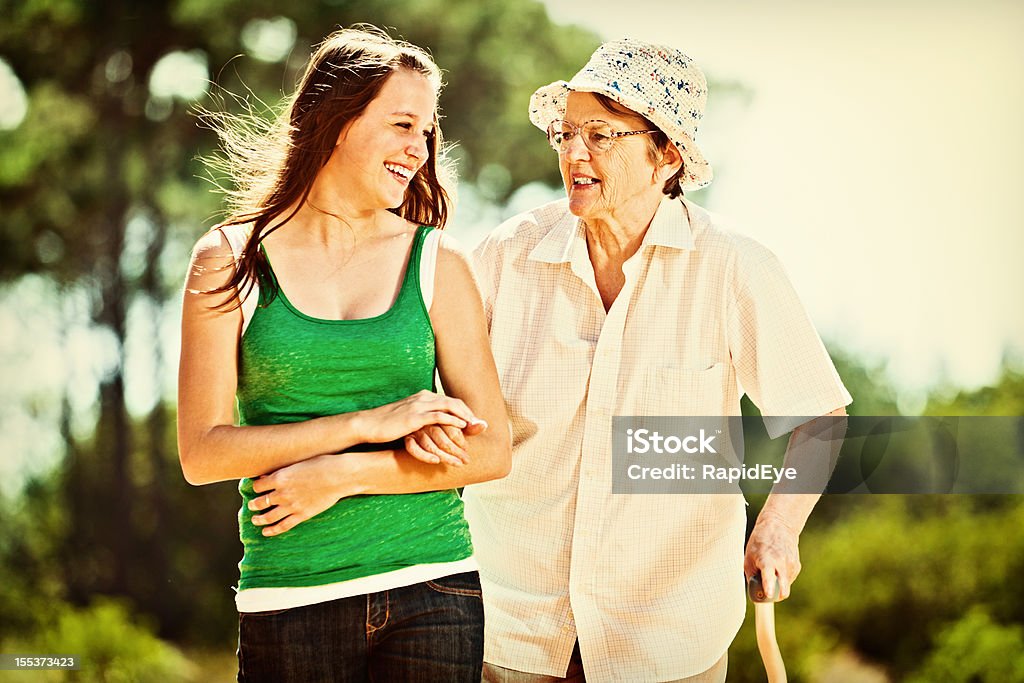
400,170
583,181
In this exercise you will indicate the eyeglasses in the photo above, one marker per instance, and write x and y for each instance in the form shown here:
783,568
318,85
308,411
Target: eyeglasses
598,136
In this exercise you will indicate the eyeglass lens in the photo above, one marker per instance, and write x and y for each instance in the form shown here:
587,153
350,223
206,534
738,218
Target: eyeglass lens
597,135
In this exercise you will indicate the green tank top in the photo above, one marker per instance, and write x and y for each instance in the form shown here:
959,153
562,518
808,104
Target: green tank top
294,367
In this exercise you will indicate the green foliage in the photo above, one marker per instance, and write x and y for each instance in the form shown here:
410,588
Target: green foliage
1004,397
57,124
31,581
61,123
868,384
112,645
900,565
975,649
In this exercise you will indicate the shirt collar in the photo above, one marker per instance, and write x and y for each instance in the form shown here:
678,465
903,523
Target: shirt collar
672,227
556,245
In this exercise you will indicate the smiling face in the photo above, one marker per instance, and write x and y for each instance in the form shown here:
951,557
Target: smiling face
621,184
379,152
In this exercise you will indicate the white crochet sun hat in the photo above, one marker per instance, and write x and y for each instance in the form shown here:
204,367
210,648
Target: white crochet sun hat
655,81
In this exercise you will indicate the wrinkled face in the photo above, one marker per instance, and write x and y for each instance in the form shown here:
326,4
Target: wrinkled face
612,183
379,152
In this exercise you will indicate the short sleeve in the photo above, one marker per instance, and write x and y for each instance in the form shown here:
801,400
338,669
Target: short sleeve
780,360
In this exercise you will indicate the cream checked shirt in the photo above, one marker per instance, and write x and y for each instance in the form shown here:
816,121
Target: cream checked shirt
651,585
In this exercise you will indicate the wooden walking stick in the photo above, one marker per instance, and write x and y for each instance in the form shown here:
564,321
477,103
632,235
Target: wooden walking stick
764,622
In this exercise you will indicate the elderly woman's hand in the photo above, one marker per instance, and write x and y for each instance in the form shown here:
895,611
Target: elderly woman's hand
773,550
435,444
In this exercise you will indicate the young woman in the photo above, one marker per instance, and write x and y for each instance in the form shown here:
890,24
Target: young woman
357,559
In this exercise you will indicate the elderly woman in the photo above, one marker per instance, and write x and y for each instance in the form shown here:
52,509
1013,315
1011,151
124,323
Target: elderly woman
627,299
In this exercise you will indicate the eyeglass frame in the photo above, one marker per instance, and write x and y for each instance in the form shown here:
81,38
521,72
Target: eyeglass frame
614,135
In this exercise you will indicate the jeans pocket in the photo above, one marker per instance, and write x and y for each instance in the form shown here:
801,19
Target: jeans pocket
467,584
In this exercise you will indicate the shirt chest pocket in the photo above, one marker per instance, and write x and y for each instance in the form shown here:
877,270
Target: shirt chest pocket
674,390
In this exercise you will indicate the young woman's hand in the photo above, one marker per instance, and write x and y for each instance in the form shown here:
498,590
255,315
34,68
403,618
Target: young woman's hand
435,444
396,420
296,493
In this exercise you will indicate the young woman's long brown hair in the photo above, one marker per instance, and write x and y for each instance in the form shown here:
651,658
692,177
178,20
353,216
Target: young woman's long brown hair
272,168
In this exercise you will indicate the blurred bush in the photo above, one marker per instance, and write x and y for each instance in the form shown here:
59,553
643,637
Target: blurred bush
911,584
112,644
975,649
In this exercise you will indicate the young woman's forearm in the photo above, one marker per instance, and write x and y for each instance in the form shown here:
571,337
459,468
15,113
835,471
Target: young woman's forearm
225,452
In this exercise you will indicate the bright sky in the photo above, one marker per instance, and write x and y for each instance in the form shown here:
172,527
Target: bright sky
880,157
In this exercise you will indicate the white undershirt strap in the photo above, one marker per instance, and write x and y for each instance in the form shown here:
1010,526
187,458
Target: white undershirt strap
428,266
237,236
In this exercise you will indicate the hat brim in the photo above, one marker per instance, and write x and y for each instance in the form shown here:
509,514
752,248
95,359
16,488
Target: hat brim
548,104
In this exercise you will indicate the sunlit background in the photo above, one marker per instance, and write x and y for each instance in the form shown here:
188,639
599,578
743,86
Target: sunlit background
878,153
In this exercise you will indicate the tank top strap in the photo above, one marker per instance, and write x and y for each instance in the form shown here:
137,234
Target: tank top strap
270,283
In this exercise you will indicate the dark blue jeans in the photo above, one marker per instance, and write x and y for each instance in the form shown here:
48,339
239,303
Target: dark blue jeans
431,631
